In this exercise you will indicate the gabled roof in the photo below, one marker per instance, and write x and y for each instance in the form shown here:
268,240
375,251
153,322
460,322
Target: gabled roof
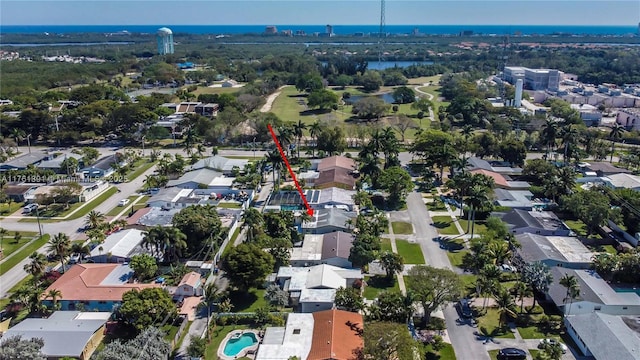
338,195
336,175
98,282
170,194
513,198
626,181
559,248
55,163
336,334
336,244
592,289
546,220
17,189
201,176
219,163
477,163
498,179
105,163
606,168
65,333
25,160
324,277
606,336
337,162
121,244
192,279
329,217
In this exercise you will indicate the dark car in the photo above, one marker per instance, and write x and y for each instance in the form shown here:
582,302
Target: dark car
464,308
512,354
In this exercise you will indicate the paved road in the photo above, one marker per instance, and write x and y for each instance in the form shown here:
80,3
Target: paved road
466,346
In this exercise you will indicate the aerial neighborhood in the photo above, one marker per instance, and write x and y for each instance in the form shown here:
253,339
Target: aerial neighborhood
179,203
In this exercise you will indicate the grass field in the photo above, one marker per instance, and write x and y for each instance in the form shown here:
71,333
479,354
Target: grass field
23,253
386,245
411,253
446,353
376,284
140,169
80,213
490,321
8,209
402,228
214,90
4,302
247,301
9,245
445,225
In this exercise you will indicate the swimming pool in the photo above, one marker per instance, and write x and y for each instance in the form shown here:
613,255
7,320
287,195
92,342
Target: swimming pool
235,345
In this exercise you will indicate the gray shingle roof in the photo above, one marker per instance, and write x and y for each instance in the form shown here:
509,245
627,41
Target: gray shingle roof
63,333
546,220
565,249
201,176
25,160
606,336
592,289
336,244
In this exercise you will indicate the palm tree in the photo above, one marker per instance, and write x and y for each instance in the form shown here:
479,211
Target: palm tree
569,135
276,161
211,295
298,131
17,134
538,276
169,241
59,246
390,147
37,265
285,137
498,251
549,134
570,282
314,130
478,197
3,232
521,290
95,219
615,134
254,221
505,305
54,294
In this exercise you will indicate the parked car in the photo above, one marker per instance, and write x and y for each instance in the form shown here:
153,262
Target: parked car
123,202
464,308
28,209
512,354
553,342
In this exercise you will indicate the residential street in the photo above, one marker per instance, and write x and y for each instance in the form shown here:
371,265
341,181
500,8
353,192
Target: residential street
466,346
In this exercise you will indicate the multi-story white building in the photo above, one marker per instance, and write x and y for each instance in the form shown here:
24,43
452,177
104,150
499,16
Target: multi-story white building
629,118
534,79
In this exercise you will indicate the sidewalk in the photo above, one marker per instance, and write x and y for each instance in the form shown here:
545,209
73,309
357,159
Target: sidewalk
394,248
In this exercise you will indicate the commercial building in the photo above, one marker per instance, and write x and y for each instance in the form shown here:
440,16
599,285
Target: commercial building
533,79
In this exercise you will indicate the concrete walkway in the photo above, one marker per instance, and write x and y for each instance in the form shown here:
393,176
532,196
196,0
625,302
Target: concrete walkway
394,248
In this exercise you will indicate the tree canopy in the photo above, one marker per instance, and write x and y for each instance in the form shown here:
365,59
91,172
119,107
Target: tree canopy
146,307
247,265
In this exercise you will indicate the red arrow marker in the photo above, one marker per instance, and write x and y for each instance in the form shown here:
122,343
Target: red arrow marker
293,175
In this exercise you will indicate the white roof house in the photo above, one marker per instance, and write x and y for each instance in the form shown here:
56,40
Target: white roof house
65,333
220,163
120,246
195,179
310,253
282,343
623,181
565,251
314,288
336,197
604,336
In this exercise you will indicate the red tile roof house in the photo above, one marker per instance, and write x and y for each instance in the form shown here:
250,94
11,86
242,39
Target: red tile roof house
98,287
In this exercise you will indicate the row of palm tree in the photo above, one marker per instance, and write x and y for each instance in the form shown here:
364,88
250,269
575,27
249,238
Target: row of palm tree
382,143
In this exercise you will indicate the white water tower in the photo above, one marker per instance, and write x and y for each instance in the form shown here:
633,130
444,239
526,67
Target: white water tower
518,99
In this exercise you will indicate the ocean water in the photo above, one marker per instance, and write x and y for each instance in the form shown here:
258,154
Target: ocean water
337,29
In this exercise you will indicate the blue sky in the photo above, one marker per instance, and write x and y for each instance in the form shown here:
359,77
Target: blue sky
312,12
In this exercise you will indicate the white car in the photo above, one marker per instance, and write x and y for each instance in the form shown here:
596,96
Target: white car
123,202
553,342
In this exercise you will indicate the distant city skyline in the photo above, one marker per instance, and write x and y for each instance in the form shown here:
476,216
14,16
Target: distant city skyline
316,12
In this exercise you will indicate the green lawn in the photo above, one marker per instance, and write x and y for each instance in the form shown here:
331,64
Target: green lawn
386,245
287,108
456,257
493,354
376,284
603,248
9,245
118,209
411,253
436,205
469,281
446,353
479,227
247,301
402,228
215,90
23,253
8,209
217,335
80,213
580,228
490,321
445,225
229,205
139,169
4,302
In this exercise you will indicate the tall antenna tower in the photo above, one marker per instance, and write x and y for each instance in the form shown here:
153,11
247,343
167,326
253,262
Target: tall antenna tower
381,32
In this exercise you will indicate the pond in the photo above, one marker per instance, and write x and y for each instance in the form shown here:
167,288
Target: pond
387,97
382,65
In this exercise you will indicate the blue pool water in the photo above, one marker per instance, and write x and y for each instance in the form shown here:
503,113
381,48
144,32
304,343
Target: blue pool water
234,346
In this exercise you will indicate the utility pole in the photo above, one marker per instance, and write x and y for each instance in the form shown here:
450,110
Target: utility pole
29,143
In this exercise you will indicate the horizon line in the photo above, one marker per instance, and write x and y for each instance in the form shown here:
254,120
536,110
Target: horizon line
275,24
